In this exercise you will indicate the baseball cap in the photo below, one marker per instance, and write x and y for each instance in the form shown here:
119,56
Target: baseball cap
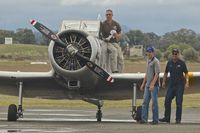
175,50
150,49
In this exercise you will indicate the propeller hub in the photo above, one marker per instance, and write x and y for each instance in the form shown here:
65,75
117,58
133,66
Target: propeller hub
75,42
72,49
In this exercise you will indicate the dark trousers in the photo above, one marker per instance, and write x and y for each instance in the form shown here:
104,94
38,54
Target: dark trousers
174,91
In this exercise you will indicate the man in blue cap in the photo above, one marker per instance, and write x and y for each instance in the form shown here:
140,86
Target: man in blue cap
150,86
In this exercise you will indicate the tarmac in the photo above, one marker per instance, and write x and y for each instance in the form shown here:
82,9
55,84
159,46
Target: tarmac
75,120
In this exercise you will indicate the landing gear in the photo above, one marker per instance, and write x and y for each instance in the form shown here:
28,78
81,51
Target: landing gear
13,112
99,104
99,114
136,111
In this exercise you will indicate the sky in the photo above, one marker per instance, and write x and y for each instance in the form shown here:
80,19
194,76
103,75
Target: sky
158,16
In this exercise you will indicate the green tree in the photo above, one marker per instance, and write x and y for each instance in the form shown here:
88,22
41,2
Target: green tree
5,33
182,36
190,54
184,46
44,40
158,54
152,39
25,36
136,37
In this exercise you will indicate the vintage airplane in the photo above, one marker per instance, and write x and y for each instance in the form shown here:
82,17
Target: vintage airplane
79,71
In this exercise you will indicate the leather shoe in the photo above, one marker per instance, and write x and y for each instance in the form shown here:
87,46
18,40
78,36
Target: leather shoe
164,120
178,122
154,122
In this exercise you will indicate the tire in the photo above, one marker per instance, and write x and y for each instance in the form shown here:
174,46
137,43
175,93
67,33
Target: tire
12,112
99,116
99,119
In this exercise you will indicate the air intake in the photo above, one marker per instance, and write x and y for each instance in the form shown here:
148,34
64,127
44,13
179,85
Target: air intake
73,84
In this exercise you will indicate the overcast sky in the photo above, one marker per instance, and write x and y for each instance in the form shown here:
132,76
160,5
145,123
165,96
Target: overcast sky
158,16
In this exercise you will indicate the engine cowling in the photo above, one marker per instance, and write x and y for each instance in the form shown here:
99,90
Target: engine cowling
66,64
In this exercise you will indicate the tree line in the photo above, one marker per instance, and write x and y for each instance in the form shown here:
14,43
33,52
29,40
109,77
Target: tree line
184,39
23,36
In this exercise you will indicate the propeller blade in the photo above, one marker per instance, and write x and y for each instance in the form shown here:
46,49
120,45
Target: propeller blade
91,65
47,32
96,69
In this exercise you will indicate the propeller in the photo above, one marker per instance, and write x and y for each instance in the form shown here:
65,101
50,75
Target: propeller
72,50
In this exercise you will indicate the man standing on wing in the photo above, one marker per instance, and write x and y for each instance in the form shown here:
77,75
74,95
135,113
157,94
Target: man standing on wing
111,34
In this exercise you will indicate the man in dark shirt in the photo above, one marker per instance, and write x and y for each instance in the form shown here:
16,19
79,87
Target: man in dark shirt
110,31
177,83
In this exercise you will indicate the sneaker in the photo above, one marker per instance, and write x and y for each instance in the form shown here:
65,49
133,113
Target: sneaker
178,122
164,120
154,122
143,122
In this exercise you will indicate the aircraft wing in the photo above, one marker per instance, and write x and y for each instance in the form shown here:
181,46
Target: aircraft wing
25,75
35,84
194,82
124,82
194,77
130,76
121,88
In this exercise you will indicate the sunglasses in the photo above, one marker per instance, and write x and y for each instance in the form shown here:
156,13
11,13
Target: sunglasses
174,53
108,14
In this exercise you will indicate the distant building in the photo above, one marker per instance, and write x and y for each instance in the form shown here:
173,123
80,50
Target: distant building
136,50
8,40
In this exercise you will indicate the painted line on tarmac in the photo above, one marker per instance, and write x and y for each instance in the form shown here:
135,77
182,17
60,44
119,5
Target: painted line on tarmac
69,119
56,110
16,130
3,126
51,114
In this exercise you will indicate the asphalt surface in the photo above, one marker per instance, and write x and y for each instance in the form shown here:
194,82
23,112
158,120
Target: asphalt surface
37,120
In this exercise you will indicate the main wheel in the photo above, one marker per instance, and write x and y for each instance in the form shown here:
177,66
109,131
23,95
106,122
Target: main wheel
99,115
12,112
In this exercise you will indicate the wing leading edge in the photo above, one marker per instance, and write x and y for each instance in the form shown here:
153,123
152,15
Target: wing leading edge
25,75
35,84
